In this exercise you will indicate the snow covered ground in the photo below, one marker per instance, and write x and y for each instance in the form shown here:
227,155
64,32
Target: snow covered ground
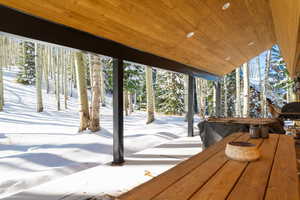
39,147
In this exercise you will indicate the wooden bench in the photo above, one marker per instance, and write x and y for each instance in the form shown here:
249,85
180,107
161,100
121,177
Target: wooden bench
211,175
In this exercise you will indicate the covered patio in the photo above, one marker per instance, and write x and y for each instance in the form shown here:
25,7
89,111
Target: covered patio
206,39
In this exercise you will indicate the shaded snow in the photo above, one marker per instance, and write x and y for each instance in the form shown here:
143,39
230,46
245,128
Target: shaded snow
38,147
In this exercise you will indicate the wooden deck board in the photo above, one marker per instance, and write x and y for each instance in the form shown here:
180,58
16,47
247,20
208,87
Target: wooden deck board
224,180
183,188
150,189
254,180
211,175
283,184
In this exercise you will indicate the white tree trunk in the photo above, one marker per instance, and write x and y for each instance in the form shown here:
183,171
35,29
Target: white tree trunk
1,73
102,84
150,95
246,90
225,96
65,67
266,83
58,69
238,93
185,93
214,108
261,85
38,77
126,103
95,67
82,92
46,68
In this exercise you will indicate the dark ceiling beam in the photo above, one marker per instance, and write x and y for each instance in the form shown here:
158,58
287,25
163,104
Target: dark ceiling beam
18,23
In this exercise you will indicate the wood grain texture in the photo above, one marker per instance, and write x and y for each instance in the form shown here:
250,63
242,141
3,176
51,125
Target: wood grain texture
286,17
283,183
253,182
221,40
151,188
184,188
220,185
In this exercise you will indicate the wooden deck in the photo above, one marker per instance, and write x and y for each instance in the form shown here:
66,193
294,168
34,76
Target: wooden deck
211,175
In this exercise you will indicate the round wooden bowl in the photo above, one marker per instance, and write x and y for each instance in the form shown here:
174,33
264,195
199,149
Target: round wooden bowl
242,151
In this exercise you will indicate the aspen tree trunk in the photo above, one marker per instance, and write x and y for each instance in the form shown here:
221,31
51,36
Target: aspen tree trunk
246,90
150,95
266,83
185,97
5,53
58,69
82,92
225,96
214,108
95,67
38,73
199,87
102,85
261,94
54,63
126,103
71,74
130,106
46,58
238,93
89,74
65,79
1,73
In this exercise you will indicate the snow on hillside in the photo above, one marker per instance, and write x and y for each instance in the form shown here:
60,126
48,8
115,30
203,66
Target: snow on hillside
38,147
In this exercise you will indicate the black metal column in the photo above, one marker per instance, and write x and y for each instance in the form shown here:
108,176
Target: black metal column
218,98
118,123
190,114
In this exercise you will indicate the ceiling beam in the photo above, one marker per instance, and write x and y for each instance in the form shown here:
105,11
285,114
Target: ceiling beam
25,25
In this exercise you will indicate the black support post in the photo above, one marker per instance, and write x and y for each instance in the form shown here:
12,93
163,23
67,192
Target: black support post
218,98
190,114
118,122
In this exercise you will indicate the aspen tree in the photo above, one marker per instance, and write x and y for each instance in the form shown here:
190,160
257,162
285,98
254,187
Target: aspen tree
238,93
150,95
1,73
246,90
38,75
82,92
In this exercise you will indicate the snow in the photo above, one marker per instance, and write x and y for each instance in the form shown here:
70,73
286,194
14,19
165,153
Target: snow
38,147
104,180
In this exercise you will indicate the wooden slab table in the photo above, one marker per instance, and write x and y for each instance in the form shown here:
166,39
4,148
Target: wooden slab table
211,175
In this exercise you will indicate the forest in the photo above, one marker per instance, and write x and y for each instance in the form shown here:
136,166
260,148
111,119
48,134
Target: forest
67,72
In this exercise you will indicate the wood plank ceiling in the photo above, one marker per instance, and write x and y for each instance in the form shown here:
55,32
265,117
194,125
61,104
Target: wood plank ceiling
286,15
223,39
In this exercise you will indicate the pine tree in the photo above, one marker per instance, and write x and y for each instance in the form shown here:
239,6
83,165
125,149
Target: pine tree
133,79
27,73
170,92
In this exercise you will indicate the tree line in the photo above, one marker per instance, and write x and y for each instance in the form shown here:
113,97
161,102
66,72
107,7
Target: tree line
61,70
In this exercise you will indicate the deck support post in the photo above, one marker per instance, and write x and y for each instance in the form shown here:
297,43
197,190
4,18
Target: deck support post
118,122
190,114
218,98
